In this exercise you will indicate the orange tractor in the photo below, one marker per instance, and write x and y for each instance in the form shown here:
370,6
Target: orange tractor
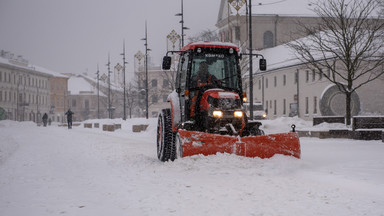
206,114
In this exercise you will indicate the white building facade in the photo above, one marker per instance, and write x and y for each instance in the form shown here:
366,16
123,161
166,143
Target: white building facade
24,89
288,87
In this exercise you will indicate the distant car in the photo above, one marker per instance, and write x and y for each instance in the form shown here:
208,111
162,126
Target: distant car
258,111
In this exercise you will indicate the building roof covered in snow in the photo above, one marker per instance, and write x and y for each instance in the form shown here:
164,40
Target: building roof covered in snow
77,85
10,59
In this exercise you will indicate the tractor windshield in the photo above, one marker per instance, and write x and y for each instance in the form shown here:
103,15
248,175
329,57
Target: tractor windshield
215,68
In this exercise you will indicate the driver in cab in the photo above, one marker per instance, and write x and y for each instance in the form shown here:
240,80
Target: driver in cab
203,77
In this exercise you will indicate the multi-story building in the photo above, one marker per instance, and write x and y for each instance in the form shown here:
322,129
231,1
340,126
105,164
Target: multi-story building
272,24
24,89
288,87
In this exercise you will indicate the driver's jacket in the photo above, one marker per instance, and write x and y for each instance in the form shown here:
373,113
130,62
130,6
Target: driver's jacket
201,81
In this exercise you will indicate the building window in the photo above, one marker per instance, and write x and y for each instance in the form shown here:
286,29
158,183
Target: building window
86,104
306,105
313,75
154,83
321,74
284,107
284,80
259,84
268,39
165,97
274,107
266,83
165,83
307,75
315,105
73,102
296,78
275,81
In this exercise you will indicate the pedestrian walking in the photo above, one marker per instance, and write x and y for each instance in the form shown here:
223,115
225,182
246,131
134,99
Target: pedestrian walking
69,114
45,119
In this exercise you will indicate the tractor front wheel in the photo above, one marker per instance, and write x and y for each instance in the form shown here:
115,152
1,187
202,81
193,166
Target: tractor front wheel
165,137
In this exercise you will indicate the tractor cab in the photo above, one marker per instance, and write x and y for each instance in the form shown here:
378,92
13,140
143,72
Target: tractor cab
209,88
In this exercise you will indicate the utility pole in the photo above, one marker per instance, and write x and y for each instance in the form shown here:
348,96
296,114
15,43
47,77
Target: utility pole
124,62
250,62
98,94
109,88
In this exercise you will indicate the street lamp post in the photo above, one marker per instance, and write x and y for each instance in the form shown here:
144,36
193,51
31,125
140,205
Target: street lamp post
109,88
124,62
250,62
182,23
37,105
146,70
98,94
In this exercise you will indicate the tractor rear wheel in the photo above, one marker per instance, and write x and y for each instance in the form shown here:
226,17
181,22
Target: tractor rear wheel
165,137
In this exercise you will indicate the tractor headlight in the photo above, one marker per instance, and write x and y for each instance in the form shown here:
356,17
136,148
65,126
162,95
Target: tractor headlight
264,115
217,114
238,114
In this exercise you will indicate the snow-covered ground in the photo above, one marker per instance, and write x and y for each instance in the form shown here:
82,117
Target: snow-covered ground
56,171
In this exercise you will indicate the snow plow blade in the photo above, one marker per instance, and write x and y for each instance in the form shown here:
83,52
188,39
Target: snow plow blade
264,146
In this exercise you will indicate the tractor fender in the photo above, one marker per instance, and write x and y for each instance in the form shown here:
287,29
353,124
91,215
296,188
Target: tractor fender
174,101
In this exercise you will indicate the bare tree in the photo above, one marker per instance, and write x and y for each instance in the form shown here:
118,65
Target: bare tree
207,35
348,42
131,98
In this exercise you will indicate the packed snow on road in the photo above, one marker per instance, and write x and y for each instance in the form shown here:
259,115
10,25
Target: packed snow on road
87,171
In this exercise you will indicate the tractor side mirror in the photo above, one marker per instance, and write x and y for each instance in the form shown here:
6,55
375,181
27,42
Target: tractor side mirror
167,62
263,64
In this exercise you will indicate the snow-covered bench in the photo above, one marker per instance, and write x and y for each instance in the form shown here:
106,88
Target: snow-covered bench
328,119
368,127
139,128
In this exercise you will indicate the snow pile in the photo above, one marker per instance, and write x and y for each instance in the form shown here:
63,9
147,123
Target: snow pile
283,124
82,171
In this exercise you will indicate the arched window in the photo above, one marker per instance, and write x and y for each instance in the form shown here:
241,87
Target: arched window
268,39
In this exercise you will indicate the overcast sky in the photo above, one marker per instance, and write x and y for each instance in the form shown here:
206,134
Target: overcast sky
75,35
